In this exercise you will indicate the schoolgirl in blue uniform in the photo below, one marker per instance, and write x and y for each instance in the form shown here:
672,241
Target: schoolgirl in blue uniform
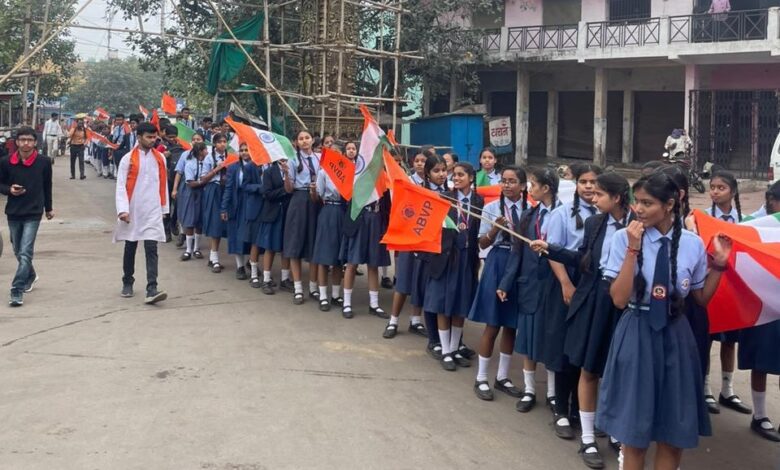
724,193
213,226
327,242
759,349
300,226
592,317
525,274
487,308
190,199
249,227
450,289
651,389
566,228
178,184
487,174
272,217
404,272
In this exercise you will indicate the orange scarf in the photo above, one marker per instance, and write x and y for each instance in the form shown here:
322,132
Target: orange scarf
132,174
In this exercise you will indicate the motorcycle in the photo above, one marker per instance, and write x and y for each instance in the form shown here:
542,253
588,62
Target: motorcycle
685,162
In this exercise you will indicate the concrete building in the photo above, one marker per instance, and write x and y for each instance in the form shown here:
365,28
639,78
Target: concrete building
607,80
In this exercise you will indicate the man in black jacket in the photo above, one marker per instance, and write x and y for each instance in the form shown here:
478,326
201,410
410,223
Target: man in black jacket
25,177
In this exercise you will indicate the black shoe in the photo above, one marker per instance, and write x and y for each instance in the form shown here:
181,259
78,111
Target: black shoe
197,254
241,274
127,290
733,402
769,433
599,433
268,289
30,285
390,331
314,294
337,300
524,406
460,360
180,240
324,305
298,298
73,177
153,296
614,445
16,299
466,351
386,283
358,272
168,237
434,350
185,256
378,312
82,177
287,285
563,430
418,329
551,404
486,395
506,386
712,405
346,312
591,459
448,363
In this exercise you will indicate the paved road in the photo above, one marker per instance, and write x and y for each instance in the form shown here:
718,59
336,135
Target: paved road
222,377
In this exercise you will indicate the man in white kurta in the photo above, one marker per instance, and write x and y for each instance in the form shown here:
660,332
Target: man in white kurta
140,211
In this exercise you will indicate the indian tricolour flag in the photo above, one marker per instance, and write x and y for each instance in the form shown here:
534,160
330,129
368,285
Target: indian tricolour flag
373,142
264,146
747,293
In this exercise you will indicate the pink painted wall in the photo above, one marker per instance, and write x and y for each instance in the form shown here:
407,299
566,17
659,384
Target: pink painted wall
670,7
595,10
522,13
743,77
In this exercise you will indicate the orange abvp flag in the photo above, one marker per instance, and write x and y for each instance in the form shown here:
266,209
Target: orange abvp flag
168,104
155,119
393,170
341,171
416,218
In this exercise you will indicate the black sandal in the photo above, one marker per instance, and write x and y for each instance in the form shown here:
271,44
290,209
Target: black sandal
337,300
298,298
255,282
216,267
314,295
378,312
324,305
185,256
197,254
346,312
418,329
390,331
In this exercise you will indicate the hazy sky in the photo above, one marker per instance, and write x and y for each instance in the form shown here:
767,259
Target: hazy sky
91,44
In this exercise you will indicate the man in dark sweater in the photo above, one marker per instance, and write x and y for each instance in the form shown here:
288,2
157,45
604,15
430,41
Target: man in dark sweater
25,177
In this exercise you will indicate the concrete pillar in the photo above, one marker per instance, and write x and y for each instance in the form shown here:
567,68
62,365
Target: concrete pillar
455,92
773,29
600,117
665,34
552,124
628,126
521,116
691,83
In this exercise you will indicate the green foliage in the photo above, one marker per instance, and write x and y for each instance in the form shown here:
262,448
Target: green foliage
116,85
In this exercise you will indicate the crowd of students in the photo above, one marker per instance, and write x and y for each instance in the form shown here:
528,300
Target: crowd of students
609,296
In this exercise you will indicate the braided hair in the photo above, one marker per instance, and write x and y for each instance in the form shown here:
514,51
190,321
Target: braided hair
614,185
681,180
544,177
577,171
299,168
662,187
731,182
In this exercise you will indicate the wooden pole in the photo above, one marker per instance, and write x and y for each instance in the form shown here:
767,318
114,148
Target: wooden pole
396,61
44,30
340,73
26,80
324,67
266,37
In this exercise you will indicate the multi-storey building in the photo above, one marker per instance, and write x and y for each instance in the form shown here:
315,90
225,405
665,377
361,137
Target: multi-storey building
608,80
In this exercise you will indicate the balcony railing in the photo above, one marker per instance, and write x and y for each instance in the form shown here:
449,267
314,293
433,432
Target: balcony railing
491,40
542,37
624,33
721,27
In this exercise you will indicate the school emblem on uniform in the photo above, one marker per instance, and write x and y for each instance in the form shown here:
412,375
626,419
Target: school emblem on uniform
659,292
686,283
360,164
408,212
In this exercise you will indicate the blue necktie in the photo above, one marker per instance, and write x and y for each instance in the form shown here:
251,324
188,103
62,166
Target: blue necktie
515,218
660,292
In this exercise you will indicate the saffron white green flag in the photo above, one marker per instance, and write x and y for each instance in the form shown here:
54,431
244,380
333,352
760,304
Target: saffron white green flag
766,221
369,164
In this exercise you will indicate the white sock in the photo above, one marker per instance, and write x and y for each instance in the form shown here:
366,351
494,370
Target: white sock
444,337
727,387
213,256
298,287
416,320
383,271
455,333
588,420
759,404
196,247
529,378
336,291
482,369
550,384
323,292
347,297
190,243
266,276
707,389
393,320
373,298
503,366
312,286
285,274
239,261
253,267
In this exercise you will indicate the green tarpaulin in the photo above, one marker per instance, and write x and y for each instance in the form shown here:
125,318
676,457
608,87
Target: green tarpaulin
227,60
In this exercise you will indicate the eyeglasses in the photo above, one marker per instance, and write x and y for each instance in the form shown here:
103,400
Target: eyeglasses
509,182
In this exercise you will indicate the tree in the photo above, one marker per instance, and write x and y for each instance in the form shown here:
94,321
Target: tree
116,85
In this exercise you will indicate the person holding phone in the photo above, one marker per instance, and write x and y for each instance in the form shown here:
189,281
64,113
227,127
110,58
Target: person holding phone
25,177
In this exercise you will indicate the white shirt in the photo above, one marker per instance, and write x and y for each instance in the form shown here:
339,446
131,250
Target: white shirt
146,213
52,128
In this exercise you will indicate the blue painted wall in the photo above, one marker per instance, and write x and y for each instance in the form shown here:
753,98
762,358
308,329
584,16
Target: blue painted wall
462,132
